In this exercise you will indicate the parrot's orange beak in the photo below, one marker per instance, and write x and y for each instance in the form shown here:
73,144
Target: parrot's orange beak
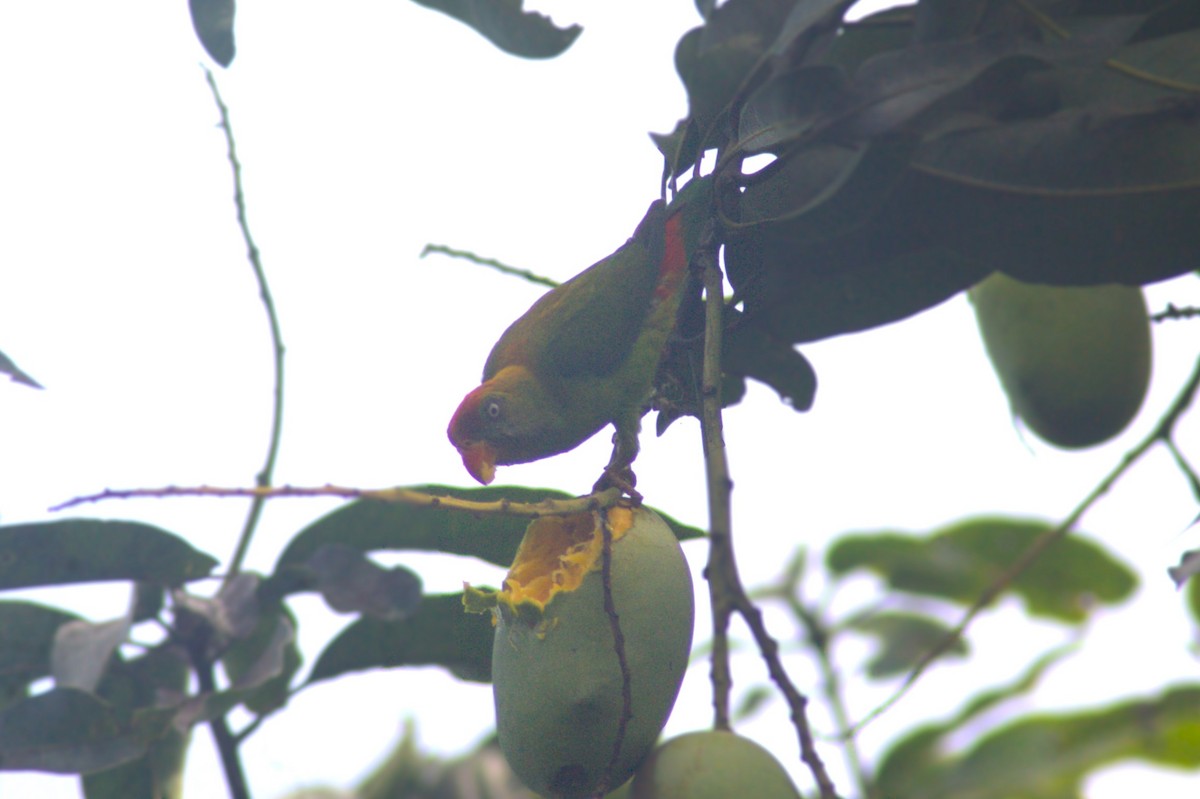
480,459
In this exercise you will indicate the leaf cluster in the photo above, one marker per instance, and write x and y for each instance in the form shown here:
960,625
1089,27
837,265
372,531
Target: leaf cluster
121,709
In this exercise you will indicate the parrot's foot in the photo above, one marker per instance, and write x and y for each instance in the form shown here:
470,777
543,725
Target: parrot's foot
622,478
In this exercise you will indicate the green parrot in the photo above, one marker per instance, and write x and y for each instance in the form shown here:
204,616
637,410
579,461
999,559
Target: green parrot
582,357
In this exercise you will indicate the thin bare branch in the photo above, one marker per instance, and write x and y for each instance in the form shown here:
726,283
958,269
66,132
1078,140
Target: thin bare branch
263,478
405,496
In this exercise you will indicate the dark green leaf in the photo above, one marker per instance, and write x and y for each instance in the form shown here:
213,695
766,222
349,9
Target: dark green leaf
837,239
904,638
370,525
788,106
265,661
1048,756
440,633
1083,151
9,368
153,679
505,24
806,20
878,33
144,682
26,638
353,583
68,731
157,774
961,561
213,22
751,351
85,550
714,60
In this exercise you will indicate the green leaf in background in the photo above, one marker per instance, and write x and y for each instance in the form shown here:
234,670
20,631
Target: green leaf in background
505,24
959,562
7,367
68,731
903,639
440,633
26,638
1048,756
369,525
87,550
1193,598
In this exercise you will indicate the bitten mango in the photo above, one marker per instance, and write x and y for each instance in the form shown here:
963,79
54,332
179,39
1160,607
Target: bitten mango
557,680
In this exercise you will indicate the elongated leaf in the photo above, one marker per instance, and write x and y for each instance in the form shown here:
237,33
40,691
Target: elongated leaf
371,525
1048,756
68,731
86,550
505,24
959,562
903,638
921,750
440,633
26,637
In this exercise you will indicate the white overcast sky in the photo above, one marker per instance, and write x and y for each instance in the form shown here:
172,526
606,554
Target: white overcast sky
366,130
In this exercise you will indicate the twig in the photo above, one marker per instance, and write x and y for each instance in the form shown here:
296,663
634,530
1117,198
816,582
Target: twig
726,592
406,496
1161,433
263,478
493,263
614,623
1174,312
227,744
819,636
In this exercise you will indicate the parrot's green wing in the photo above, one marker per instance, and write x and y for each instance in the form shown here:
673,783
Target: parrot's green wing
589,325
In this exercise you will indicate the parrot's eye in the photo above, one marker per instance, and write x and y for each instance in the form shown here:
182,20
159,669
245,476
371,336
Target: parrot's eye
492,409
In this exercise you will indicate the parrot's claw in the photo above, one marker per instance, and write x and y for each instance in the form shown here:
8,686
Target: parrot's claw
622,478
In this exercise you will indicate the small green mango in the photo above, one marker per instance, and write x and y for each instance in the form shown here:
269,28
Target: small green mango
1073,360
712,765
556,677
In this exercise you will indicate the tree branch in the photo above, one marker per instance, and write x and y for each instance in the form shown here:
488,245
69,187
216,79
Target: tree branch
404,496
726,592
1161,433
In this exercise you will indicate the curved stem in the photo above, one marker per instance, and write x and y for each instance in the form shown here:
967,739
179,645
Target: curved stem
263,478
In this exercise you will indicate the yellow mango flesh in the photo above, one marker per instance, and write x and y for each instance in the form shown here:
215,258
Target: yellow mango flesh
556,678
1074,361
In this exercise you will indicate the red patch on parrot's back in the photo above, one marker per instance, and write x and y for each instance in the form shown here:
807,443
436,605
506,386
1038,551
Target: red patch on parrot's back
675,260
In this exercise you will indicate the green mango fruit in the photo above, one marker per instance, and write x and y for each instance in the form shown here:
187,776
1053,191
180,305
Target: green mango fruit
1073,360
556,677
712,765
